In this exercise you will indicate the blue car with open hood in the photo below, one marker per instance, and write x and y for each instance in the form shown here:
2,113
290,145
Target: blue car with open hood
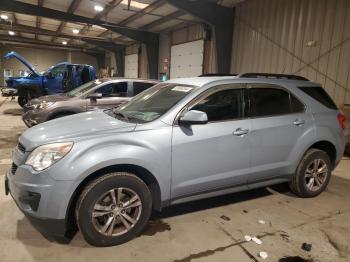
59,78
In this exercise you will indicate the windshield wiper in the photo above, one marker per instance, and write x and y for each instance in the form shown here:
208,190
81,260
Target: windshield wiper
116,113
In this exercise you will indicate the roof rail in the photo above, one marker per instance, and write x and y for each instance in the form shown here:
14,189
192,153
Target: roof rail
278,76
216,74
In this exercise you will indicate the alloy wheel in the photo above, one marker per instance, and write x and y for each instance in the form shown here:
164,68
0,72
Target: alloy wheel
316,174
117,211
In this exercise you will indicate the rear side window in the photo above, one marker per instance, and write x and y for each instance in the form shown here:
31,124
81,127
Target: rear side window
269,102
319,94
141,86
114,89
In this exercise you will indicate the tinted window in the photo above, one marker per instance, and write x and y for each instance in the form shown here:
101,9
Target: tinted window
58,70
269,102
114,90
296,105
318,93
141,86
222,105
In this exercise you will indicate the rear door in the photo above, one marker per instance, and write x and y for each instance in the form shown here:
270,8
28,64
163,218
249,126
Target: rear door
278,121
113,94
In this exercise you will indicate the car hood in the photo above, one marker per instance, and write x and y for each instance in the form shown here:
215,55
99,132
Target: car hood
73,127
13,54
52,98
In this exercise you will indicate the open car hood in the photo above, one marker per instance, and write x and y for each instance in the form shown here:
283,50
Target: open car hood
13,54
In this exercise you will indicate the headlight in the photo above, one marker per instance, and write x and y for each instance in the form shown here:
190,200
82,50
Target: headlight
43,105
46,155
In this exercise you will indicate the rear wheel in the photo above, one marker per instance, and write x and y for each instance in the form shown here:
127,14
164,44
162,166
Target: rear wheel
113,209
312,175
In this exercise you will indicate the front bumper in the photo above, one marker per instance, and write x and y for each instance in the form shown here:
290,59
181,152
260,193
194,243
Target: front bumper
38,202
33,117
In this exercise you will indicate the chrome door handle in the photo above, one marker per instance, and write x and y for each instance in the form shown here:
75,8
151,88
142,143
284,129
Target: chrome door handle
240,132
298,122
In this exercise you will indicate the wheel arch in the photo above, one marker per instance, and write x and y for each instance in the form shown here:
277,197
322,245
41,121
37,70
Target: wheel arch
145,175
328,147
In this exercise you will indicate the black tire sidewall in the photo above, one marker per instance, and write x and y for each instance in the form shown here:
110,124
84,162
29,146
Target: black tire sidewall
301,173
91,235
22,100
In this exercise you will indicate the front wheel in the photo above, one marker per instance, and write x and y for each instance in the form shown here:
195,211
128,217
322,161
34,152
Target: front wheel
113,209
22,100
312,175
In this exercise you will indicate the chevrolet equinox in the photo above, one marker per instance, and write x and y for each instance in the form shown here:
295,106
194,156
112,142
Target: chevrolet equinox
103,172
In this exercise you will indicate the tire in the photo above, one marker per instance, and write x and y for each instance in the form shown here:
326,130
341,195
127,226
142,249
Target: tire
97,199
306,175
22,100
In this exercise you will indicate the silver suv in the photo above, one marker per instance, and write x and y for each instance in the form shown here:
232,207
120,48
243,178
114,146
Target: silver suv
178,141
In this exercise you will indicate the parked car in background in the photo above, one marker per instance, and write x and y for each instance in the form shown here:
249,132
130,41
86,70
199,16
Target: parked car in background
97,94
59,78
179,141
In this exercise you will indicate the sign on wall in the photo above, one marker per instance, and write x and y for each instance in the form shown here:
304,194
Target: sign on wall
187,59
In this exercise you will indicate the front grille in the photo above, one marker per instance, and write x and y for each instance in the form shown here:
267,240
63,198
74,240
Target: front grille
21,147
13,168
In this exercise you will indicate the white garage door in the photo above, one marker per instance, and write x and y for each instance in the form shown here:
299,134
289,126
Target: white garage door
187,59
131,66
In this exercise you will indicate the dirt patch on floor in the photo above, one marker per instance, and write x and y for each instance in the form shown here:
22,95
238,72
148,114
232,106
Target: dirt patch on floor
156,226
339,238
295,259
13,111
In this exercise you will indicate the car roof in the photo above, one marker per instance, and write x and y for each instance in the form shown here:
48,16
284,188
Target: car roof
119,79
202,81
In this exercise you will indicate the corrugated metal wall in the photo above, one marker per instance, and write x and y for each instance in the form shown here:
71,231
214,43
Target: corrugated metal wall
305,37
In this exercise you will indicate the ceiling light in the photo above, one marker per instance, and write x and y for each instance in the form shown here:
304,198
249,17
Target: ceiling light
75,31
135,4
98,8
4,17
64,42
11,33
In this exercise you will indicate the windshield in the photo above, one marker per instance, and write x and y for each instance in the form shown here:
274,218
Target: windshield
84,88
153,103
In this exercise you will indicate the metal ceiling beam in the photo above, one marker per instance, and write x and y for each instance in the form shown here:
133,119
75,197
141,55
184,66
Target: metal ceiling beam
164,19
150,39
26,40
38,19
149,9
71,9
109,7
40,31
221,19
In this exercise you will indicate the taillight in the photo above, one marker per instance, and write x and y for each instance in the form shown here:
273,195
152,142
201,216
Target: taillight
342,120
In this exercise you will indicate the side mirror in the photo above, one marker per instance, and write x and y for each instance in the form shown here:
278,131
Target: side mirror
194,117
94,96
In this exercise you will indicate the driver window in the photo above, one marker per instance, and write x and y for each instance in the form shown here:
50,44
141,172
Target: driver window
221,105
114,90
58,71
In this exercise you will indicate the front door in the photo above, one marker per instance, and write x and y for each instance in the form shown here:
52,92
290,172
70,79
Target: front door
53,79
215,155
113,94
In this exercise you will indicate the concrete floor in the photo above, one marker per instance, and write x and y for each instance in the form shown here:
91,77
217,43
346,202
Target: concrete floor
208,230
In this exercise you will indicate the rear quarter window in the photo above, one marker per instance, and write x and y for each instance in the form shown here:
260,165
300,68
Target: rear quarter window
319,94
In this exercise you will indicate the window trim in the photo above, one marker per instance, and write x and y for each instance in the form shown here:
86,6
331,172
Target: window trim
249,86
209,92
